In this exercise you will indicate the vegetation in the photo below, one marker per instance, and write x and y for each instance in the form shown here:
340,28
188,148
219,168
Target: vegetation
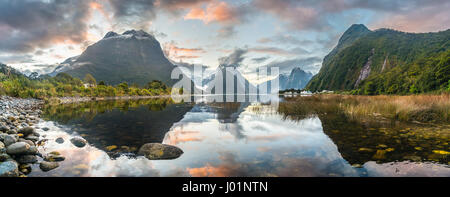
13,83
422,108
401,63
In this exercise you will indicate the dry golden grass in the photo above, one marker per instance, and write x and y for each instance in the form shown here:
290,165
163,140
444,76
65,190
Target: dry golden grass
422,108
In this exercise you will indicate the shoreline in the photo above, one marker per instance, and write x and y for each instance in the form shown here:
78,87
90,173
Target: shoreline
68,100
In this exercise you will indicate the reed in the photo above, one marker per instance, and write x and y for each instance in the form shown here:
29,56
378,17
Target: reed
422,108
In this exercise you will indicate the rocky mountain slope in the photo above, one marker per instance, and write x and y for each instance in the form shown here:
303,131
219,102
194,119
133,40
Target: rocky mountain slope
133,57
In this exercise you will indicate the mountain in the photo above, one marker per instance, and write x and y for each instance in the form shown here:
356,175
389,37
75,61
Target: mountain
133,57
385,61
296,79
240,82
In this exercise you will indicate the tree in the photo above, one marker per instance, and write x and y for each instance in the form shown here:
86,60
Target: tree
90,79
101,83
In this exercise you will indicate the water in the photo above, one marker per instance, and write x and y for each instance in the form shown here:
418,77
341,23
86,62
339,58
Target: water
237,139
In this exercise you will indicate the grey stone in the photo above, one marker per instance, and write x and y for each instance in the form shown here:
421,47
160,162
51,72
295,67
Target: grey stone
155,151
59,140
24,159
9,140
47,166
26,131
78,142
18,148
9,169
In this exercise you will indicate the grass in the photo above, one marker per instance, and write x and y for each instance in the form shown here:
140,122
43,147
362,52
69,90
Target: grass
421,108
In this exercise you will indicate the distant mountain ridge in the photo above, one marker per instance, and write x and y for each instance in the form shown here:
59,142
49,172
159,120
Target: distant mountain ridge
133,57
385,61
296,79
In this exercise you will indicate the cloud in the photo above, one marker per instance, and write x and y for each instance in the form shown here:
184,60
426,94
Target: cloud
234,59
421,19
285,39
259,60
215,12
405,15
226,32
222,13
171,50
310,64
297,51
27,25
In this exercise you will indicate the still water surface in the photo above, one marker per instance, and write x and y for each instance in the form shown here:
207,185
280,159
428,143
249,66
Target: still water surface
236,139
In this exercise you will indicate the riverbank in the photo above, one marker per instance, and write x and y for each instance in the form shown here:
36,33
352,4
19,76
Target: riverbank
67,100
413,108
22,141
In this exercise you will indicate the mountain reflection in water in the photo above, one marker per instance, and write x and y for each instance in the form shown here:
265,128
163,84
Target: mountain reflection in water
235,139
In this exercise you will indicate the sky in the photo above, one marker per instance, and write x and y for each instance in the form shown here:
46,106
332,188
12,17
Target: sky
36,35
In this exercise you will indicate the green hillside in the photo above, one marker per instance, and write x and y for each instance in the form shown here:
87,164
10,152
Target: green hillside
386,62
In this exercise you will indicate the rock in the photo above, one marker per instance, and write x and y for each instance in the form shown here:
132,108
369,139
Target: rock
2,136
54,156
441,152
59,140
18,148
3,129
365,150
47,166
9,169
379,155
78,142
12,131
2,145
24,159
4,157
9,140
111,148
357,166
26,131
31,143
32,138
160,151
32,151
36,134
45,129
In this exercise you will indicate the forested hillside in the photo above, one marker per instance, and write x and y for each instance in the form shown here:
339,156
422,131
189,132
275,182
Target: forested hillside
386,61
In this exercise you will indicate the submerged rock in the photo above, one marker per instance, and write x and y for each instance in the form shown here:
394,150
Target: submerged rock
9,169
78,142
59,140
47,166
54,156
156,151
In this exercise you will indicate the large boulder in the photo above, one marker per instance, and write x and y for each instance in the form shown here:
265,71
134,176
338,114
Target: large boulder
47,166
78,142
18,148
156,151
9,169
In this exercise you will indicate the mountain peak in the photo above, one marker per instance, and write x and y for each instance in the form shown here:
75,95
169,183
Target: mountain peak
360,27
110,34
139,33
